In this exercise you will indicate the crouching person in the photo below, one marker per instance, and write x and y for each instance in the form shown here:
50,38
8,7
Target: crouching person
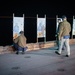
20,43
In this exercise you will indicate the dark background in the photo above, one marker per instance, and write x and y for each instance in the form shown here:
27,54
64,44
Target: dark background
30,9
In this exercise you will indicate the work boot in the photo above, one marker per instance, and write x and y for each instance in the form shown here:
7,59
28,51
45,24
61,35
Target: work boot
17,52
57,53
67,55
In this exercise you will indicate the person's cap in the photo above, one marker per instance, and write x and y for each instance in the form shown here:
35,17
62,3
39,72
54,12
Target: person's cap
21,32
64,17
59,19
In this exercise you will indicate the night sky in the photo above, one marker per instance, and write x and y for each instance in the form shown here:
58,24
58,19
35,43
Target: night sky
30,9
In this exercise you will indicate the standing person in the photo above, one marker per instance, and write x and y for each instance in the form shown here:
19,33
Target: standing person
64,35
57,35
20,43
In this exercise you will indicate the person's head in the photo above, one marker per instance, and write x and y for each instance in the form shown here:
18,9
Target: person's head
59,20
21,32
64,17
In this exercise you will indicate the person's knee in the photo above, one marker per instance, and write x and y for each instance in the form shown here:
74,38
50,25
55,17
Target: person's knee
25,48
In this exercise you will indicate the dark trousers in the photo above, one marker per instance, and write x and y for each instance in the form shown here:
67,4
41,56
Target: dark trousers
58,43
18,48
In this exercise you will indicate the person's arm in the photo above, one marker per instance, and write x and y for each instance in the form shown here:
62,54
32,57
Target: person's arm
16,40
60,30
70,28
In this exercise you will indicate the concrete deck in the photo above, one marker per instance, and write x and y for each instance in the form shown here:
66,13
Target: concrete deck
38,62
